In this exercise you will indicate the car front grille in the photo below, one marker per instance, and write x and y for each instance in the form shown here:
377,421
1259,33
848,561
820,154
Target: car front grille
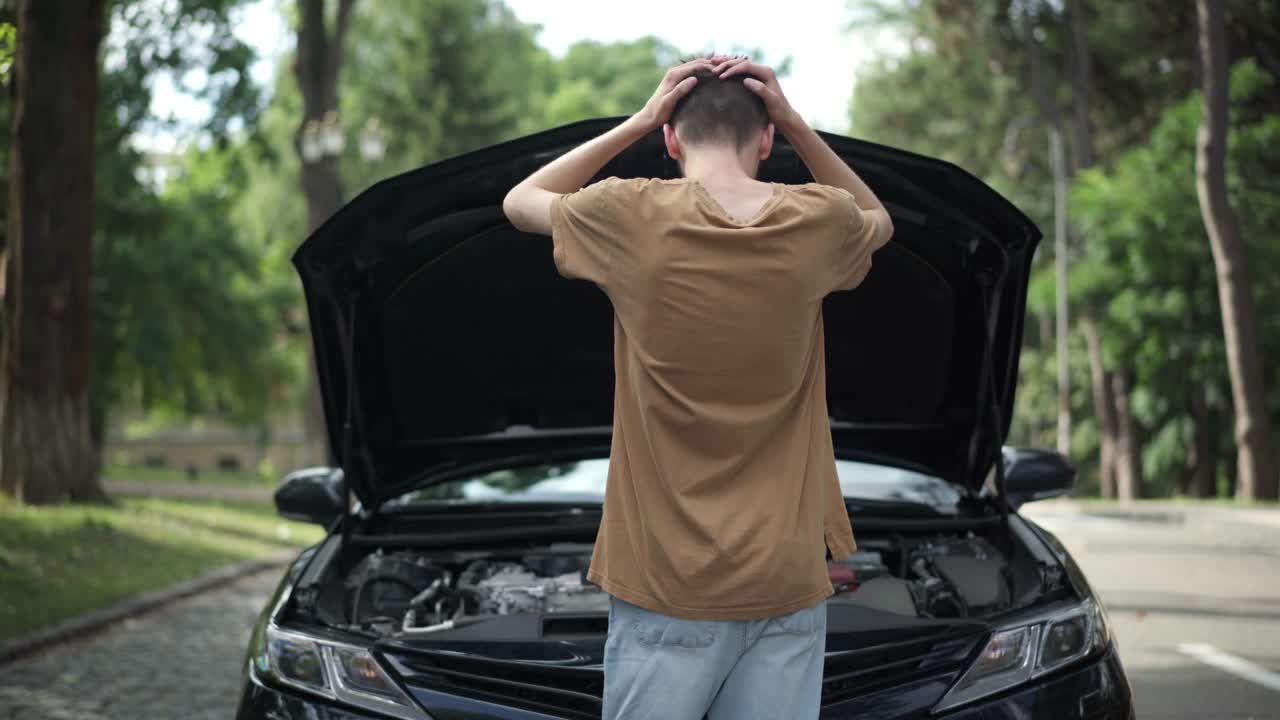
852,673
576,691
567,691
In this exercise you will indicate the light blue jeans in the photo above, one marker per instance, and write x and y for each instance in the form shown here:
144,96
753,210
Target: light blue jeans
657,666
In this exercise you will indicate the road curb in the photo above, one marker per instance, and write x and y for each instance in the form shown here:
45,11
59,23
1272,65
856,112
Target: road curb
96,620
1173,517
1157,513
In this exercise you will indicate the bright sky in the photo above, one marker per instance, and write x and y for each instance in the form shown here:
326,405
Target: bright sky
813,32
825,52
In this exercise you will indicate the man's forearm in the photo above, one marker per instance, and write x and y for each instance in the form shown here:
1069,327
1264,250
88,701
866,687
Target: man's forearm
528,204
825,166
571,171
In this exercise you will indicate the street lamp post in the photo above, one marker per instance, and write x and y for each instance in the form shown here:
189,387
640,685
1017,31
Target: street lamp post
325,138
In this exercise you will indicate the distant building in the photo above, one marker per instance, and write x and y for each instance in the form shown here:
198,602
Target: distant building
206,446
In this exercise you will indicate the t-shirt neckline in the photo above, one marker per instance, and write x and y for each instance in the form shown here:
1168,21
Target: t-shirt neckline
724,215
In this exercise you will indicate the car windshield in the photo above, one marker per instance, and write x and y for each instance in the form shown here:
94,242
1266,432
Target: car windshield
584,480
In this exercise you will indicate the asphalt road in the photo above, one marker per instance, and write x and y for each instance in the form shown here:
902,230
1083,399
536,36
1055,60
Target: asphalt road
1194,604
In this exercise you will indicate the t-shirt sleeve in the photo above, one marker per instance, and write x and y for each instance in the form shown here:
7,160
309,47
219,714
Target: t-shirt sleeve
852,246
584,230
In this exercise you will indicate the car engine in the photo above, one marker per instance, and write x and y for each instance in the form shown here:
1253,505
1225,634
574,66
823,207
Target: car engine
411,593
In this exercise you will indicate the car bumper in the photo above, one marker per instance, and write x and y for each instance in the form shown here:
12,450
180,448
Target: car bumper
1097,691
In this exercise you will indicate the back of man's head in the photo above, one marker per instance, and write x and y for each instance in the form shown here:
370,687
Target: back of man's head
719,112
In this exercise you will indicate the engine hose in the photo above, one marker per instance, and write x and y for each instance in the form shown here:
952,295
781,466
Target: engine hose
446,625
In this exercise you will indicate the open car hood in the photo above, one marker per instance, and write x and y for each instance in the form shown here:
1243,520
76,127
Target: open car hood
444,336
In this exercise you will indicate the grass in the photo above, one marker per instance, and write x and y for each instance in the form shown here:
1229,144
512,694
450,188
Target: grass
60,561
175,475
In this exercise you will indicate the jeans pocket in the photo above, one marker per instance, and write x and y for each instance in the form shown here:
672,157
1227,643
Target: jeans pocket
804,621
654,629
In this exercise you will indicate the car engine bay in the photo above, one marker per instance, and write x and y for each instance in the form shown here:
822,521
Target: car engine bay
410,593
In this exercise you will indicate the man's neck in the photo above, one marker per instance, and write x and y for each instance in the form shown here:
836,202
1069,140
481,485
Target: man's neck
716,166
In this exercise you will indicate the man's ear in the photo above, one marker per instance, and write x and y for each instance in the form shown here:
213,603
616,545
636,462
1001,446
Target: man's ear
672,140
766,141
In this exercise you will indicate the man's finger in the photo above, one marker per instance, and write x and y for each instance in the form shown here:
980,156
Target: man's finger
760,89
681,89
724,64
680,72
732,62
743,66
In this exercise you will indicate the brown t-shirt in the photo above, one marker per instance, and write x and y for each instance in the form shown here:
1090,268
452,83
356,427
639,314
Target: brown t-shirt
722,486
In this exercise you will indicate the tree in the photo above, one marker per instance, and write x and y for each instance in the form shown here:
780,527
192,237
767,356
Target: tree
1146,274
134,238
1255,463
964,90
46,453
430,78
184,319
8,33
316,67
174,330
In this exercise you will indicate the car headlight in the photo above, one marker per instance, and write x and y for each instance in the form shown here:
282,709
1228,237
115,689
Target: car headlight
1030,648
334,670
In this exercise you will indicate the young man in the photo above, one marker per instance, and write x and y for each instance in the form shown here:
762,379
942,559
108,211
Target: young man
722,487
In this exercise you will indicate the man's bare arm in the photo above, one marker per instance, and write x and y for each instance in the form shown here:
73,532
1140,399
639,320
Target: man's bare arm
823,163
528,204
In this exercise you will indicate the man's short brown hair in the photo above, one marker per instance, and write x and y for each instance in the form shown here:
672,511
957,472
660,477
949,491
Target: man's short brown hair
719,112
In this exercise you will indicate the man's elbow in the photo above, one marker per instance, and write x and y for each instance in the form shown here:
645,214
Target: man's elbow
511,208
884,229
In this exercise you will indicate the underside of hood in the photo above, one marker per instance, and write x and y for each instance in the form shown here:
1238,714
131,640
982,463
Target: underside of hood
444,336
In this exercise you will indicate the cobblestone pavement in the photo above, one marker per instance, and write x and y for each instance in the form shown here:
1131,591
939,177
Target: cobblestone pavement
180,661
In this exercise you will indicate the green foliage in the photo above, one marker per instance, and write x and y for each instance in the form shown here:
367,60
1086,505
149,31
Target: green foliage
77,558
194,43
185,325
8,39
962,90
603,79
182,324
442,77
1147,266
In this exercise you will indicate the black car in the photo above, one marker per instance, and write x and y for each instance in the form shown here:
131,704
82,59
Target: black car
468,393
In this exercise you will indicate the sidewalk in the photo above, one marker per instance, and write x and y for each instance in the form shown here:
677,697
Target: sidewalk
1163,511
189,491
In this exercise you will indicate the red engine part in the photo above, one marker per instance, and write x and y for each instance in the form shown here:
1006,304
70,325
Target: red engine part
842,576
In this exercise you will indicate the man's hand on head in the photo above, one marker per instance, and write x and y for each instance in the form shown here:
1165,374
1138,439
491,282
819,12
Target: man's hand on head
677,83
528,205
761,80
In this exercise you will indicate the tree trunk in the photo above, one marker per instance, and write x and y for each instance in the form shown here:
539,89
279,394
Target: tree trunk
1061,319
1052,117
316,67
47,453
1103,407
1202,450
1081,84
1128,444
1202,453
1255,463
